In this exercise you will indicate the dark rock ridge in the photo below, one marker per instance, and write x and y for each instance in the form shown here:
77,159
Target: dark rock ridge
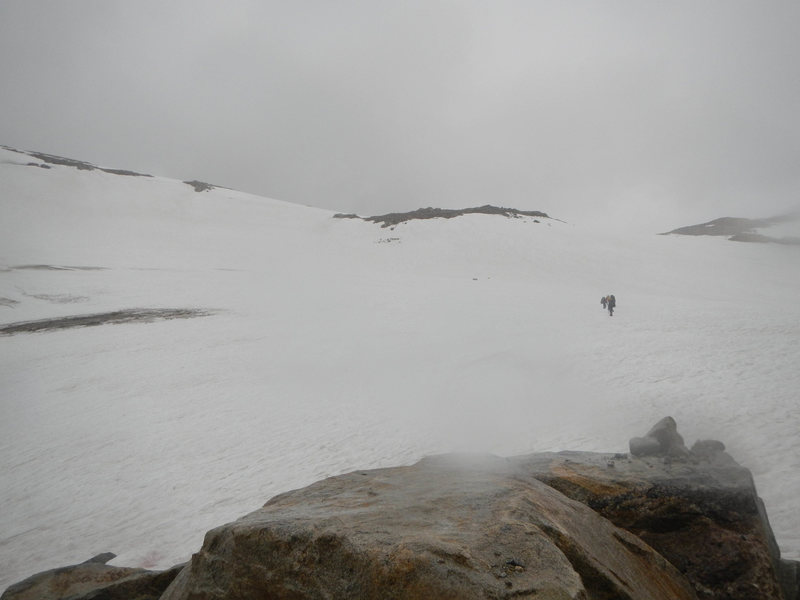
81,165
741,230
667,523
52,159
392,219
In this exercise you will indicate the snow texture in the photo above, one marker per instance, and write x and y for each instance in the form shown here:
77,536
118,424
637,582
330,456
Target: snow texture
332,345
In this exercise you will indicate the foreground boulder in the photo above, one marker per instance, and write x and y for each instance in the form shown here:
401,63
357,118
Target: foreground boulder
666,523
93,580
448,527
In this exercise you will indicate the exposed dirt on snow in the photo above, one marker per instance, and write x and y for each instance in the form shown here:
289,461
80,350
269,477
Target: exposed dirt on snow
130,315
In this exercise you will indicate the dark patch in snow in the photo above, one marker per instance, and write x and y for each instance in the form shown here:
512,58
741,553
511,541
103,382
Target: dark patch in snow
123,172
10,302
392,219
130,315
54,268
58,298
200,186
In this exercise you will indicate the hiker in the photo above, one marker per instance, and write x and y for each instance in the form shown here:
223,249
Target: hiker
612,302
603,301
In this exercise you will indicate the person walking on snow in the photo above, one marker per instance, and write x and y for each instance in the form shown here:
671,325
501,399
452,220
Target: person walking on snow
603,301
612,302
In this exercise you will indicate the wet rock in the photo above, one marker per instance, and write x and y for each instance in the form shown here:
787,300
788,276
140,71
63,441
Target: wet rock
705,517
448,527
93,580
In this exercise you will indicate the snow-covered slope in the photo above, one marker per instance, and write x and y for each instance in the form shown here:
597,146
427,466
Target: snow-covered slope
337,345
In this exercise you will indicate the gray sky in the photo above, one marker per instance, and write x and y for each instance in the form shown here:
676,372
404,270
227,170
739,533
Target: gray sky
667,112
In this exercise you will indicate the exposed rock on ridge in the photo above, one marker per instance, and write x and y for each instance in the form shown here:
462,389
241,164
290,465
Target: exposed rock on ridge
200,186
392,219
52,159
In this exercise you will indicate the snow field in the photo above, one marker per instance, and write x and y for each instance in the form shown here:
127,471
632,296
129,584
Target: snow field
335,349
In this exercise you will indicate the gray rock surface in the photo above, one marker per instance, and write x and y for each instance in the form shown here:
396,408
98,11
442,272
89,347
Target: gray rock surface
662,439
93,580
644,446
447,527
709,450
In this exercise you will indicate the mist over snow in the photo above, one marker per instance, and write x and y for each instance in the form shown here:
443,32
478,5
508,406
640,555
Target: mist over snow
328,345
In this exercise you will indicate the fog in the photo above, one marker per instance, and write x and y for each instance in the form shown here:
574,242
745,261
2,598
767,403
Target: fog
650,113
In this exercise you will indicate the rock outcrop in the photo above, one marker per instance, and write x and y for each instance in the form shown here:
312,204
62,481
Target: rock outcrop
698,508
393,219
93,580
668,523
703,517
52,159
662,439
447,527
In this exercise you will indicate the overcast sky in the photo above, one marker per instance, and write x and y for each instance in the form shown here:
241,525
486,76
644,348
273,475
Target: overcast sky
668,112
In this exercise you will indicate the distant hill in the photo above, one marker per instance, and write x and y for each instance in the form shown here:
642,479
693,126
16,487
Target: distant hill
746,230
392,219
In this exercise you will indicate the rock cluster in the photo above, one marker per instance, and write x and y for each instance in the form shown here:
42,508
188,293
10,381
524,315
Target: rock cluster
664,522
662,439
